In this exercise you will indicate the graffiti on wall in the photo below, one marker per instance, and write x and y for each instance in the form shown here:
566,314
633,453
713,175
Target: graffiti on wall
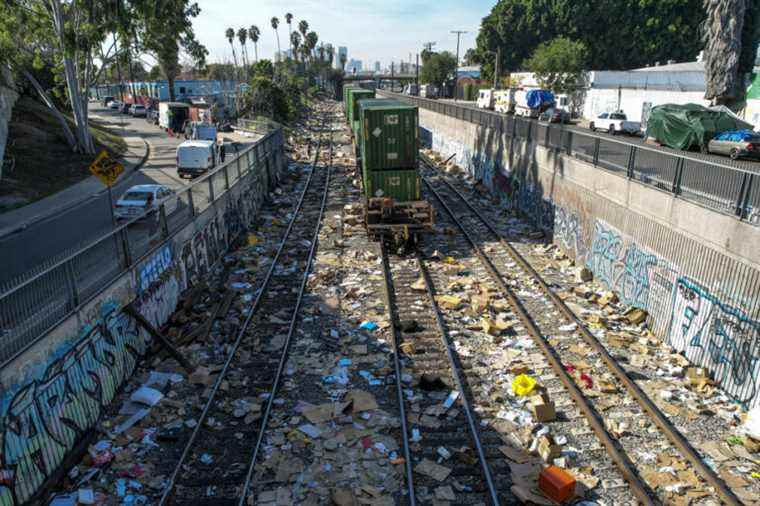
45,418
718,336
640,278
568,232
152,269
530,201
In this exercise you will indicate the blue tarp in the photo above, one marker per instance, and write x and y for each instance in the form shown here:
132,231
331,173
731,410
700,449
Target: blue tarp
539,98
737,135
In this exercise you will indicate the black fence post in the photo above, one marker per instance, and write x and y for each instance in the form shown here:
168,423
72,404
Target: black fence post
597,142
569,142
743,197
72,280
631,160
546,137
190,201
162,221
677,177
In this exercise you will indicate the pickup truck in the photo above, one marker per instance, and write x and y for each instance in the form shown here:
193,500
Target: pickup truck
614,123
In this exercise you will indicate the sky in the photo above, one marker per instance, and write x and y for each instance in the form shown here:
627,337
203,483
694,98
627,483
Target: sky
373,31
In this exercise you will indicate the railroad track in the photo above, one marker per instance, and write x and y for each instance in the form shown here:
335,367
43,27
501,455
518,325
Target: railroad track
216,465
625,409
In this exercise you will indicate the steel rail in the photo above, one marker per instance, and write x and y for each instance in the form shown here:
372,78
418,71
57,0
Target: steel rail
168,492
460,385
291,330
620,459
397,365
662,423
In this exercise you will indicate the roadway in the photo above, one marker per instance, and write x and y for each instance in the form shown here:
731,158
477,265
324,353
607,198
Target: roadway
749,165
45,242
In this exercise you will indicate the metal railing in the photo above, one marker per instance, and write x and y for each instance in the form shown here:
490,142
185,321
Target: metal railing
36,304
712,184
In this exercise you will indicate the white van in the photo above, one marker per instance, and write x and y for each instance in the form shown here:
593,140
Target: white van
196,157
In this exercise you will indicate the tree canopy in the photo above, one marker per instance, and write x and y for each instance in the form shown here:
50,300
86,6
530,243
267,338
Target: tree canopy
559,64
438,67
621,34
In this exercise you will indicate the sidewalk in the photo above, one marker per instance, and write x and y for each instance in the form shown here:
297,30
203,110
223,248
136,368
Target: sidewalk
21,218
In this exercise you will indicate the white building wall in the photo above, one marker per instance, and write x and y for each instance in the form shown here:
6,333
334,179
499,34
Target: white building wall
632,101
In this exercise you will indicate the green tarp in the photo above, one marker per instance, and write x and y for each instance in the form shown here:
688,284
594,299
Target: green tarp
689,125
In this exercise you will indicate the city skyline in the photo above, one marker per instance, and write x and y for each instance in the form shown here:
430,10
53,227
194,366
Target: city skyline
340,23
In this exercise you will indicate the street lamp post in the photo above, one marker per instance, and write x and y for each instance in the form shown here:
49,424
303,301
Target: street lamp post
456,72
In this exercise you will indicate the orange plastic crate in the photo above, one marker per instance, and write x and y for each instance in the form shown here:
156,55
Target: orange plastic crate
556,483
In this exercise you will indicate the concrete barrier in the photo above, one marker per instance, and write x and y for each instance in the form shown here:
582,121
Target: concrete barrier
54,393
693,269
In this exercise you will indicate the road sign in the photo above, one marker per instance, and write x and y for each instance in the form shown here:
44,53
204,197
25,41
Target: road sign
106,169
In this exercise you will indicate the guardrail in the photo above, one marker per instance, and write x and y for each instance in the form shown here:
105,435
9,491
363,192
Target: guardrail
720,187
29,310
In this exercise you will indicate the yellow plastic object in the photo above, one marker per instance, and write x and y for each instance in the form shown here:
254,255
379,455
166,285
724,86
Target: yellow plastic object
253,240
523,385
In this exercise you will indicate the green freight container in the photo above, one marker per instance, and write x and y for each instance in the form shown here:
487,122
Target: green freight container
346,89
354,95
402,185
388,136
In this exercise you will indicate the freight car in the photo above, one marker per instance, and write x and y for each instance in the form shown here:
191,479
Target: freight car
346,89
388,143
354,95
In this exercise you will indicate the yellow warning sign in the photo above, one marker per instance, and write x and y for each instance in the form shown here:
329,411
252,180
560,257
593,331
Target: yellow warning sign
106,169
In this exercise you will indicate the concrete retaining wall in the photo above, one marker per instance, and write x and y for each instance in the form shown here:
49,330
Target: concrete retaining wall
53,394
694,270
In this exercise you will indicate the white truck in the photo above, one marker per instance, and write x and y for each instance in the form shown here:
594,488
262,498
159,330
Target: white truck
504,101
196,157
428,91
615,123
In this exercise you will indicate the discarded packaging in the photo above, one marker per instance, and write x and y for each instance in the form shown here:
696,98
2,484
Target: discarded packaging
523,385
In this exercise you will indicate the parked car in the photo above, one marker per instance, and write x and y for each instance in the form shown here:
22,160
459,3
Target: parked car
736,144
108,100
615,123
138,110
115,104
125,108
144,199
555,115
196,157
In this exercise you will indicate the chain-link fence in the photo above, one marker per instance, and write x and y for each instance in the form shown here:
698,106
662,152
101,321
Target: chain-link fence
39,302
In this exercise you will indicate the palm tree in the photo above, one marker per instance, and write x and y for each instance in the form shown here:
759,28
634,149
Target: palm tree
289,21
722,35
253,34
303,27
295,41
322,53
230,34
312,38
275,23
243,38
330,54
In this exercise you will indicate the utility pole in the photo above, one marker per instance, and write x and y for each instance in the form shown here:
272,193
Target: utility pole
496,68
456,71
417,75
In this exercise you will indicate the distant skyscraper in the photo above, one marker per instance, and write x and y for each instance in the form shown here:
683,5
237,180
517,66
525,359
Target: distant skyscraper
342,51
354,66
377,66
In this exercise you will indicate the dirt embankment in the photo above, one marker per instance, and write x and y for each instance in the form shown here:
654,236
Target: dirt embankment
38,161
